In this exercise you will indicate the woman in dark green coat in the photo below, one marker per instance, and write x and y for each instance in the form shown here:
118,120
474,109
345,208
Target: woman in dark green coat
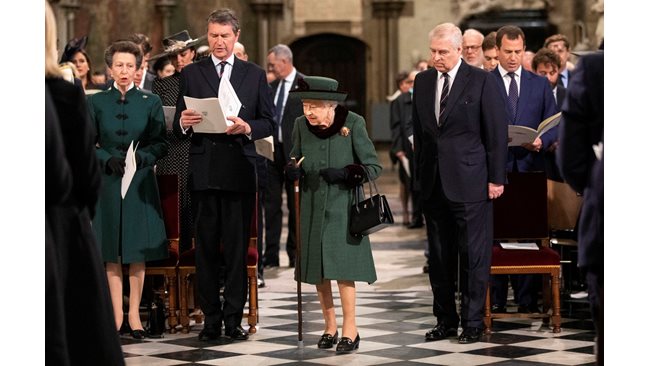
336,147
130,230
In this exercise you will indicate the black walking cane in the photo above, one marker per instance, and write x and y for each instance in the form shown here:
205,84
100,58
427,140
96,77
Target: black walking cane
296,195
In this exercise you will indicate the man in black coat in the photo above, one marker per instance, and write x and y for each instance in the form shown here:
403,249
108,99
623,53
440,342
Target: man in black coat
222,172
288,107
460,139
581,161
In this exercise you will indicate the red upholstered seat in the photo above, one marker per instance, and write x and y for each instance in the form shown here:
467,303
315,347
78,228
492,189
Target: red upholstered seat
521,214
508,257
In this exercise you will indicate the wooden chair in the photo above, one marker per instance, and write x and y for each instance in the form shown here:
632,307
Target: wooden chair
169,200
187,270
521,214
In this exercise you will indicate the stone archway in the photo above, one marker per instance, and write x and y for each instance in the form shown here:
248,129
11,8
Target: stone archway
340,57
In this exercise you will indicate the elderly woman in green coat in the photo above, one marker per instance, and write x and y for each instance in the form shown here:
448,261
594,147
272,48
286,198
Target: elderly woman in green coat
336,148
130,230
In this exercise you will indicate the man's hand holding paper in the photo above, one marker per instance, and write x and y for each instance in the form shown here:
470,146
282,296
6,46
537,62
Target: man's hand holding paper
238,127
190,117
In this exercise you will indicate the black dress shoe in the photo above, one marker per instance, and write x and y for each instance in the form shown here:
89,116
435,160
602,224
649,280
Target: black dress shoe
328,341
470,335
238,333
440,331
138,334
497,309
346,345
210,332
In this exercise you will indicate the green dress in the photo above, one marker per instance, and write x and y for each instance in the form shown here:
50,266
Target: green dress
328,251
132,229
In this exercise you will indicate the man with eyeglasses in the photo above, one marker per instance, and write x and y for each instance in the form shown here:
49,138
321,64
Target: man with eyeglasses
472,52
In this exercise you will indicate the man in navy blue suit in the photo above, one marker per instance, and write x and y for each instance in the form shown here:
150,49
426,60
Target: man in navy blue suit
460,139
581,160
529,101
222,172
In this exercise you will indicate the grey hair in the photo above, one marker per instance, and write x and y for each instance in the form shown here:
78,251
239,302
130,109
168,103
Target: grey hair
282,51
473,32
449,31
225,16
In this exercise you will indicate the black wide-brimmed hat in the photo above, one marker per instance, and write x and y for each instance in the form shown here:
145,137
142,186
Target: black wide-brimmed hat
177,43
320,88
72,47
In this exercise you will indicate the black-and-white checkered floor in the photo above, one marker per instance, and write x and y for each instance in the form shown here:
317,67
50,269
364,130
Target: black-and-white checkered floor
393,314
392,327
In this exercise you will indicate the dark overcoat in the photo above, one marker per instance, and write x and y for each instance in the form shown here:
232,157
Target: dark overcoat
131,228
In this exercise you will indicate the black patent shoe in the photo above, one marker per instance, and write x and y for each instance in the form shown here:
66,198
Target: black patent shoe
238,333
210,332
440,331
328,341
346,345
138,334
470,335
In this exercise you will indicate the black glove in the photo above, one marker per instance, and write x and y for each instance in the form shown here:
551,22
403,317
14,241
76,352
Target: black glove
293,172
115,166
334,175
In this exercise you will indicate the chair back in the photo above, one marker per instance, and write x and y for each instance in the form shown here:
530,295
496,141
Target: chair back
521,212
169,200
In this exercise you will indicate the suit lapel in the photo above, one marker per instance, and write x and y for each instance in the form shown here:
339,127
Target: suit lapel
209,72
524,93
462,77
237,74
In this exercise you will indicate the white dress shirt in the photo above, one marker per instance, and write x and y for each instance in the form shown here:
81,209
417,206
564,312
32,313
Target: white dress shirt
441,83
288,81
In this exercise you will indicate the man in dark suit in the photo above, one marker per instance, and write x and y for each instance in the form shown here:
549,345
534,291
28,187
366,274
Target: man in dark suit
287,108
581,161
222,172
460,139
529,101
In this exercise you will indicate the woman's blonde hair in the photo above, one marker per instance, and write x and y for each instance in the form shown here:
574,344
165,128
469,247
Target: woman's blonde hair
51,54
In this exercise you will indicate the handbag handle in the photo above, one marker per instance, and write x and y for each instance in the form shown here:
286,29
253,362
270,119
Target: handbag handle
359,192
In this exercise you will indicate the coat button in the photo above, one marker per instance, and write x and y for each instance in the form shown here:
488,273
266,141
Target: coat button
322,147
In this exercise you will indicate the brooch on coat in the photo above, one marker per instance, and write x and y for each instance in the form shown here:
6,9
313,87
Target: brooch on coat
345,131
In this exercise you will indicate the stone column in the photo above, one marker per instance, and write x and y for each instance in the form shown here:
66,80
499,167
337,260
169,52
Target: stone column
165,7
387,12
268,12
65,21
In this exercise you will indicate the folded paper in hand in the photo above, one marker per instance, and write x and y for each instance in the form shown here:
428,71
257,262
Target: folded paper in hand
525,135
129,168
265,148
215,110
169,116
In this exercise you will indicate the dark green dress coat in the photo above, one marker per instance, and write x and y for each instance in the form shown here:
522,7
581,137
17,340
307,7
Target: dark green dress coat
130,230
328,251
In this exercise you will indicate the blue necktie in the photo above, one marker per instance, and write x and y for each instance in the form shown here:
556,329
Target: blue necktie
278,110
513,95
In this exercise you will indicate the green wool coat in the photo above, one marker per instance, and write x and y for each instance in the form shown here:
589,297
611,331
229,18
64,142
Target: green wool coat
130,230
328,251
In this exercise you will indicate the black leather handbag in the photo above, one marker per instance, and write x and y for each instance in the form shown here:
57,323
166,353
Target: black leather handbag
370,215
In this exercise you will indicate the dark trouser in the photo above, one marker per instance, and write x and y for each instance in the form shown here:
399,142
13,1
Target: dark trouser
458,228
596,302
273,210
526,288
223,222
